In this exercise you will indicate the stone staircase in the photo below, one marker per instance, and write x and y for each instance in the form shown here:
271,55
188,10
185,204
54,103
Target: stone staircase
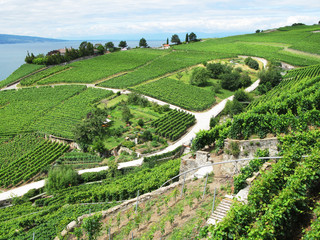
242,196
221,211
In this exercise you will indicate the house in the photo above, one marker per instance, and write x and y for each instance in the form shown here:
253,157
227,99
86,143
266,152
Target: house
165,46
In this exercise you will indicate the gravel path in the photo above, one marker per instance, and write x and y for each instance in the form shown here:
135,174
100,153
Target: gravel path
203,121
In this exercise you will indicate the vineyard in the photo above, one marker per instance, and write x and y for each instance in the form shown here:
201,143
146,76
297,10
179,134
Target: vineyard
293,106
300,73
22,71
279,199
50,215
41,75
97,68
46,109
174,124
267,45
31,163
161,66
178,93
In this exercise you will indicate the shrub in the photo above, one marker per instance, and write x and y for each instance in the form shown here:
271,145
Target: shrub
199,77
61,177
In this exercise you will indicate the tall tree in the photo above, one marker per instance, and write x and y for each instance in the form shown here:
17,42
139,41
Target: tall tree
187,38
167,40
175,39
143,43
123,44
109,46
192,37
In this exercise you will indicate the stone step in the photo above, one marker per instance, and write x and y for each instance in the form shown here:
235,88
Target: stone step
217,217
223,208
227,204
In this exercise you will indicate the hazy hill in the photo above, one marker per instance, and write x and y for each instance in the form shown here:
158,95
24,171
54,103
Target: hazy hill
10,39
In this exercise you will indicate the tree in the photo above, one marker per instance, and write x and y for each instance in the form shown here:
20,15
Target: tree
258,31
167,40
143,43
251,63
230,81
100,49
109,46
123,44
192,37
92,226
242,96
187,38
61,177
199,77
216,69
126,114
91,128
245,79
140,122
175,39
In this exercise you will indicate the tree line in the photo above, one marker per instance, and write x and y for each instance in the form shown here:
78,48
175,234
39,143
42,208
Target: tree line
85,49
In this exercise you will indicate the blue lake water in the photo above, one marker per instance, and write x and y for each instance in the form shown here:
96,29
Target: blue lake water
12,55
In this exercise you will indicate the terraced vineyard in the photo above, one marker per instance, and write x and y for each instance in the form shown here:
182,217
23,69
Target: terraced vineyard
46,109
43,74
178,93
310,71
22,71
174,124
49,216
27,166
161,66
97,68
61,119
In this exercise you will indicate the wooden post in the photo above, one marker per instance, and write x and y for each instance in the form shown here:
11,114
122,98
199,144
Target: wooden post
205,186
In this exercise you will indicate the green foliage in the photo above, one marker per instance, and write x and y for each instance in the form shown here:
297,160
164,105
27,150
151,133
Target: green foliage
175,39
314,232
199,77
91,129
143,43
43,74
239,181
33,162
91,70
168,63
216,69
252,63
178,93
230,81
92,225
242,96
269,79
126,114
173,124
123,44
213,121
22,71
278,199
61,177
300,73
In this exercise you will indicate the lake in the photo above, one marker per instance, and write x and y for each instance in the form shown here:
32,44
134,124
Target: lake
12,55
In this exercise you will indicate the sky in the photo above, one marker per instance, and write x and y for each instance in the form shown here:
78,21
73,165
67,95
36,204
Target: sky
152,19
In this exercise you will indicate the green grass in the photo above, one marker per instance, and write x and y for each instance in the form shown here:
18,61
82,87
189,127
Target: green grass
178,93
22,71
97,68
